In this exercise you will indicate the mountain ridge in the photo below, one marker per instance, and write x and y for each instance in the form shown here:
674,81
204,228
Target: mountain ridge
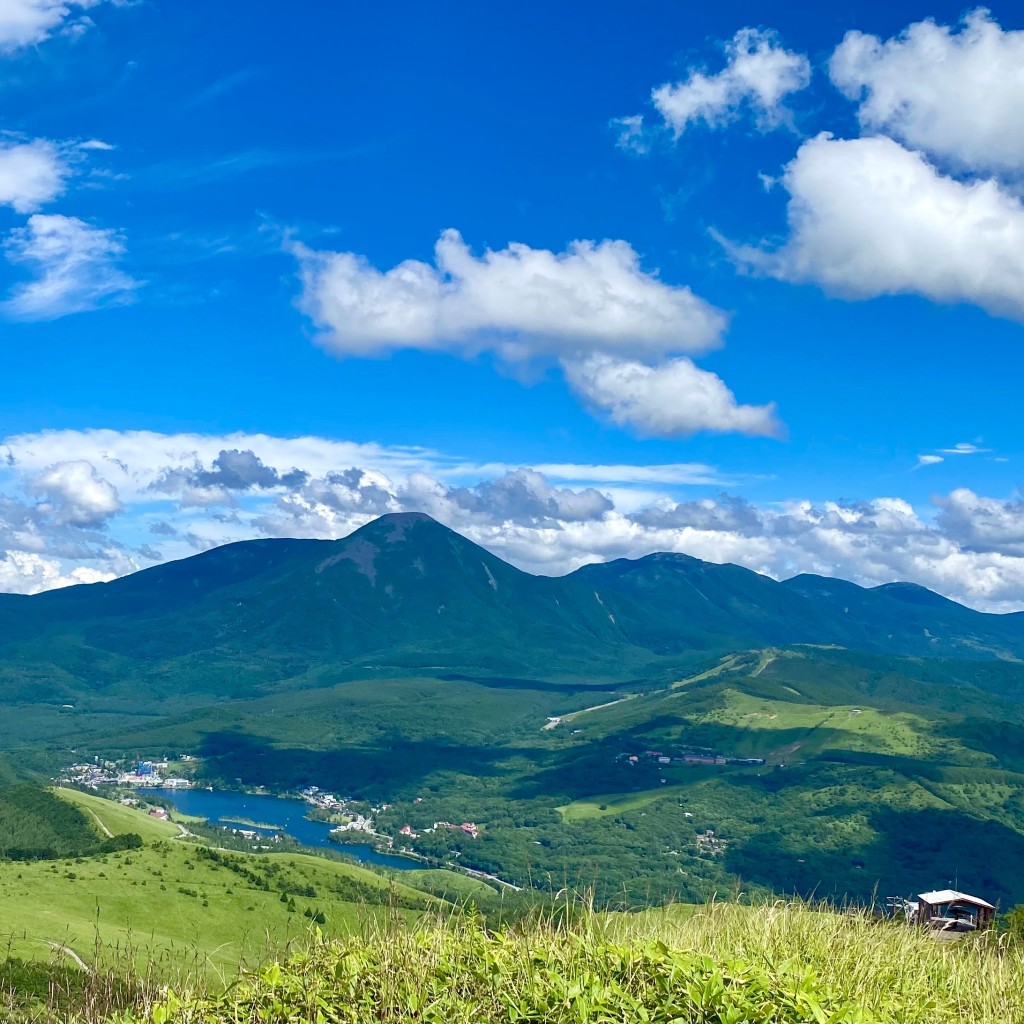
405,580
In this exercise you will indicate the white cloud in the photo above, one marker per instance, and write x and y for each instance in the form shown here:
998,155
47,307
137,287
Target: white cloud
27,22
928,460
630,134
964,448
519,302
954,94
676,473
75,266
26,573
981,524
141,463
671,399
99,514
759,73
31,173
74,493
611,325
868,218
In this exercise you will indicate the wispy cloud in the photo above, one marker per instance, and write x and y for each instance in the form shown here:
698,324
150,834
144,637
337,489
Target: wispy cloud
221,87
938,455
75,268
964,448
206,170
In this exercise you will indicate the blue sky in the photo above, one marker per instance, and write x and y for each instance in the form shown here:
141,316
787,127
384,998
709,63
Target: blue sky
736,280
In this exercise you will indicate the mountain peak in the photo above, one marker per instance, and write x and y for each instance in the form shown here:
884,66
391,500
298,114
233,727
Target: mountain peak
404,518
393,526
914,593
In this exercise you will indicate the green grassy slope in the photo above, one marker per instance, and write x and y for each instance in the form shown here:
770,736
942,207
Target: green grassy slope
172,901
786,964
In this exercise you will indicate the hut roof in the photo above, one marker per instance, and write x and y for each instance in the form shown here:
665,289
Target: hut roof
952,896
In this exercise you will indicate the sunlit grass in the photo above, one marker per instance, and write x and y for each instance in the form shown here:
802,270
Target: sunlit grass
723,963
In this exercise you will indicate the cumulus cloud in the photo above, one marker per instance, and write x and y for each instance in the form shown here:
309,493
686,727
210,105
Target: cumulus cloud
31,173
980,524
671,399
759,74
868,217
75,268
518,301
73,492
524,495
724,514
27,22
610,325
231,470
25,573
955,94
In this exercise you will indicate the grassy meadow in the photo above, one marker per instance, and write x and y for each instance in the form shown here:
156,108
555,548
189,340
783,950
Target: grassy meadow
721,964
179,903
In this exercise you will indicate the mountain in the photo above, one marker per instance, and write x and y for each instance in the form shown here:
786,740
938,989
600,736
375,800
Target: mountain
404,594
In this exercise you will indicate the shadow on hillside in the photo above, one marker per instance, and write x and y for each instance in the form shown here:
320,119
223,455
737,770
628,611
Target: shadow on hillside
503,683
1003,740
390,772
911,852
576,773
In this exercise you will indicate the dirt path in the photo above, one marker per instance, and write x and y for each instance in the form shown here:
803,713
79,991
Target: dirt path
68,951
103,828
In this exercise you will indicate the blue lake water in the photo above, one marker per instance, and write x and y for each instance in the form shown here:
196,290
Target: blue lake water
288,814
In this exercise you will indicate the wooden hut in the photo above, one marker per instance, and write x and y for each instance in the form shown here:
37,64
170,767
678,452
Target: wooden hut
952,911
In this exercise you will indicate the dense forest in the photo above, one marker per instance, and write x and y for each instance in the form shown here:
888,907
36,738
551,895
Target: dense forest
36,825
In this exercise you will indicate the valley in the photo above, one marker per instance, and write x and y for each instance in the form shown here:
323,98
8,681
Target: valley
716,736
663,729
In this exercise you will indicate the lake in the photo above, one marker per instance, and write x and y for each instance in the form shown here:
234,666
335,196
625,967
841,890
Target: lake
286,813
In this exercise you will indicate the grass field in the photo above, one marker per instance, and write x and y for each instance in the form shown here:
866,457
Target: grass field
116,819
167,900
784,963
450,885
619,803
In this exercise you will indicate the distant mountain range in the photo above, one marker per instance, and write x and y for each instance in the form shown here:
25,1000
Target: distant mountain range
405,595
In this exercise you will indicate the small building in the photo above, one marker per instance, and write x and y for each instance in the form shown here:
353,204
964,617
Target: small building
158,812
952,911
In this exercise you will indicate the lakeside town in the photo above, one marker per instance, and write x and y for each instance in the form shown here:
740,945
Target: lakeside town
352,820
99,774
